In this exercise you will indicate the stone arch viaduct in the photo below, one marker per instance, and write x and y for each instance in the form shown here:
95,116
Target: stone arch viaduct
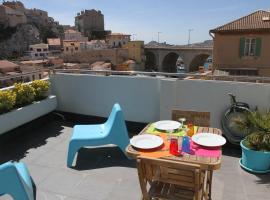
164,58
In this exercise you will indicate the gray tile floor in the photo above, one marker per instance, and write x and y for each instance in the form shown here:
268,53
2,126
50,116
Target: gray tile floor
105,174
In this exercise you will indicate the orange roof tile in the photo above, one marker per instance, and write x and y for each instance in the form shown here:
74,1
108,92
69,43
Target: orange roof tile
259,21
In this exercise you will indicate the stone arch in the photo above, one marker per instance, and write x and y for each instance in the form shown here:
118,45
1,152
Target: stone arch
150,61
169,62
197,61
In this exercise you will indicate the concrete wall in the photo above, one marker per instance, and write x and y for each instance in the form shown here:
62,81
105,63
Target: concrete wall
211,96
115,56
147,99
95,95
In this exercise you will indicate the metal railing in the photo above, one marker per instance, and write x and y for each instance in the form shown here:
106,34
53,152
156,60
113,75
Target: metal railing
256,79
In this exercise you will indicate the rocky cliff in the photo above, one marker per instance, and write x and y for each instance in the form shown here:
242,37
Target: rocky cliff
19,41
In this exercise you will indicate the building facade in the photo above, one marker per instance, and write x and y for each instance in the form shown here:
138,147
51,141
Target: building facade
94,45
55,46
90,23
115,56
242,46
74,35
71,46
11,73
38,51
136,52
117,40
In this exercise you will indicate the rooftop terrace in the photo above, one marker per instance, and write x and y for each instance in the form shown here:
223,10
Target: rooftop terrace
105,173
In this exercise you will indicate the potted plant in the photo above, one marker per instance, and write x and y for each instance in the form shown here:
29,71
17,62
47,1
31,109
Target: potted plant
25,94
41,89
24,103
256,145
7,100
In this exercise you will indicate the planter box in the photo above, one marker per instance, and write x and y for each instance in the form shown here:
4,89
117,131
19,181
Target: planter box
20,116
255,161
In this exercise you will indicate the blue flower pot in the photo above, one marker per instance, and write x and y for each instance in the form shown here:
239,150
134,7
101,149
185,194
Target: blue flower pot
255,161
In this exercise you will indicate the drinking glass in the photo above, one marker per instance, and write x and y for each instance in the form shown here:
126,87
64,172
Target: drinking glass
186,144
174,147
190,131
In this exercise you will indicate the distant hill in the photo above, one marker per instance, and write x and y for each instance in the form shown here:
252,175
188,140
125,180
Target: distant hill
204,43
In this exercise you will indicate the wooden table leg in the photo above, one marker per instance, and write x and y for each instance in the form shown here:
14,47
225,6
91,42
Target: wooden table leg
209,184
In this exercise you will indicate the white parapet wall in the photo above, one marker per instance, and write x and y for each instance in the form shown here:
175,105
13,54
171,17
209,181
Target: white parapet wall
211,96
20,116
148,99
95,95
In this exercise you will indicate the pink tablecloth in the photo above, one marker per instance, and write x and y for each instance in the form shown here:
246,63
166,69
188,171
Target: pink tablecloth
204,151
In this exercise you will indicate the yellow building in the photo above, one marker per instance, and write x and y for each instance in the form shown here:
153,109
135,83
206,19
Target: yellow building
241,47
71,47
136,51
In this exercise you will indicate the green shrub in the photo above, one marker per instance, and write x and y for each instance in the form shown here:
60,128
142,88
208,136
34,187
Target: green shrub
258,129
25,94
7,100
41,88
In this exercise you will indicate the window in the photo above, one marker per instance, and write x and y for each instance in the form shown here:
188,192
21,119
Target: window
76,48
36,55
38,50
66,48
250,47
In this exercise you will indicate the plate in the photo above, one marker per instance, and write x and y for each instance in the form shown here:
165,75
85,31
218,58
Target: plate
208,139
146,141
167,125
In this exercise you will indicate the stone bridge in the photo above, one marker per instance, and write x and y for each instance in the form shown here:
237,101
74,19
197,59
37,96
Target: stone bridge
164,58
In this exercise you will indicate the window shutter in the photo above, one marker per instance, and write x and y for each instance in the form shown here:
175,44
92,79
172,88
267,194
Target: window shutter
258,46
242,47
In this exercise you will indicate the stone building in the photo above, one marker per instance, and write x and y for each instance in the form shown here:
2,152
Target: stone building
94,44
71,46
136,52
242,47
38,51
55,46
115,56
91,24
11,73
116,40
74,35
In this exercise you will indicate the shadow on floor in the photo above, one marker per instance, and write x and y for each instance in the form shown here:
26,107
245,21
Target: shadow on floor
232,150
264,179
15,145
93,158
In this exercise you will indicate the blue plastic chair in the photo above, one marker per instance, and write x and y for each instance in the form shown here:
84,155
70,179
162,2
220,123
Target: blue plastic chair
15,180
113,131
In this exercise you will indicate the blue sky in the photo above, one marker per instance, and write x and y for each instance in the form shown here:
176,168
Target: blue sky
147,17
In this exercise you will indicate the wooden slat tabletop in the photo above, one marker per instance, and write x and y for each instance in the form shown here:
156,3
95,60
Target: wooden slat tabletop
207,163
